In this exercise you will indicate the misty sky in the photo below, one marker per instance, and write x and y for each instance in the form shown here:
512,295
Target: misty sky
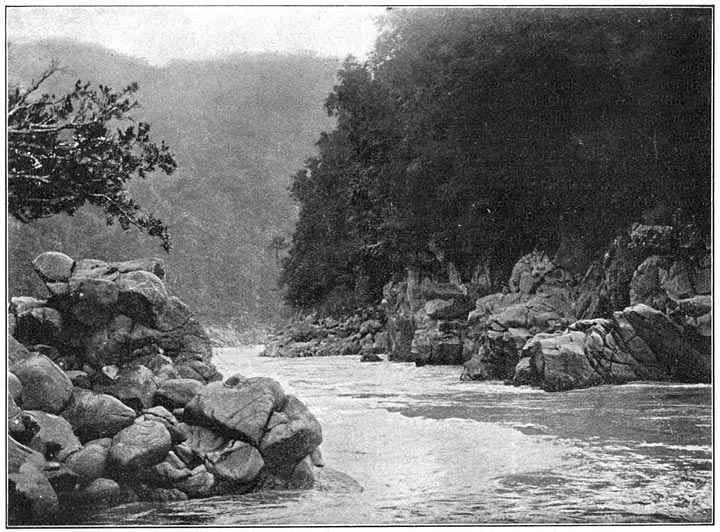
160,34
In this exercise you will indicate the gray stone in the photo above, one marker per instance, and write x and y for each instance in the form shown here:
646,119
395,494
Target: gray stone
90,462
96,415
238,408
55,440
238,463
142,444
177,393
289,442
53,266
45,385
42,325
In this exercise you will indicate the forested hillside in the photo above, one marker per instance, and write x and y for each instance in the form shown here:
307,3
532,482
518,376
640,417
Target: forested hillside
473,136
238,128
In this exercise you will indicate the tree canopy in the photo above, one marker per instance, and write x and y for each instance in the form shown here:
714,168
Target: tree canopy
63,155
472,136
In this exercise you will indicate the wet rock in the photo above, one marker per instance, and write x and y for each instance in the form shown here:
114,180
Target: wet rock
90,462
238,463
200,441
163,495
45,385
370,357
290,441
240,410
560,361
142,444
200,483
301,477
96,415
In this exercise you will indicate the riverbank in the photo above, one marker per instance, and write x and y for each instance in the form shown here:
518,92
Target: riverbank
428,449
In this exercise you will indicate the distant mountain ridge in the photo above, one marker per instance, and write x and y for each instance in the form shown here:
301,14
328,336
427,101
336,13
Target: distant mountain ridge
239,127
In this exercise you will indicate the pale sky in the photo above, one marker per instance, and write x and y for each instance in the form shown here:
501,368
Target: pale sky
160,34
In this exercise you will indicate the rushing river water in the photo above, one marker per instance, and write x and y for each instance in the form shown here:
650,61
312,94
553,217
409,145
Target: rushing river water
430,449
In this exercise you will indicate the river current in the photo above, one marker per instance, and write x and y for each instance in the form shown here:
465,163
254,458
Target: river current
430,449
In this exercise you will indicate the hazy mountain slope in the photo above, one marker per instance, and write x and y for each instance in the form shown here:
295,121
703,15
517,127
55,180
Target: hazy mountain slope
239,127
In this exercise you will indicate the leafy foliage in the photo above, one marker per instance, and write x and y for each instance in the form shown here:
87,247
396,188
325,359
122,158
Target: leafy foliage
472,136
62,155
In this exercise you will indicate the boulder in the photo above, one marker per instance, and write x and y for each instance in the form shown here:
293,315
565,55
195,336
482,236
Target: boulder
200,441
239,408
200,483
31,499
55,440
296,435
97,415
45,385
102,491
141,295
370,357
529,271
93,299
238,463
301,477
173,315
142,444
135,386
41,325
90,461
449,309
560,362
154,265
93,268
176,393
62,478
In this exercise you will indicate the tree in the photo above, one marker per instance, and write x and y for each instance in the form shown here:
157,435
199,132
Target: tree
63,155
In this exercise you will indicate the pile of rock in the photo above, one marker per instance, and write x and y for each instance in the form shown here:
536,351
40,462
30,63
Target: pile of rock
112,397
362,334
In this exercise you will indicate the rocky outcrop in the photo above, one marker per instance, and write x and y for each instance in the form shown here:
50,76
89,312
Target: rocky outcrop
638,343
643,311
113,397
361,333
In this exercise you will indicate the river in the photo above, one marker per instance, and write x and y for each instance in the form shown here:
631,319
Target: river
430,449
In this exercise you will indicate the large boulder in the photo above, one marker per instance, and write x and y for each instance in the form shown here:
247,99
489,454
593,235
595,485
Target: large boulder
45,385
239,408
293,434
97,415
16,352
142,444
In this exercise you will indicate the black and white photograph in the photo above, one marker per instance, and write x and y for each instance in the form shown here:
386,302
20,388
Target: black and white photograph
359,265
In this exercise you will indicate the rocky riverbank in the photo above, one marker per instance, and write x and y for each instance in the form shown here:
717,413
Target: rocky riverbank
643,311
113,397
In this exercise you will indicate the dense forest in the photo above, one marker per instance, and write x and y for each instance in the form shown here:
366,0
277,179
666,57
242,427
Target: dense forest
237,128
473,136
